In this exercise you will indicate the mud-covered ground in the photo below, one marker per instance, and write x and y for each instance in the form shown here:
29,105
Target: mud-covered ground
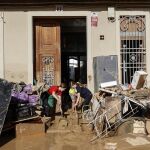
75,141
67,134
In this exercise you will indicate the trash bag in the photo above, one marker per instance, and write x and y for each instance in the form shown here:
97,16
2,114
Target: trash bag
15,94
28,89
23,97
33,99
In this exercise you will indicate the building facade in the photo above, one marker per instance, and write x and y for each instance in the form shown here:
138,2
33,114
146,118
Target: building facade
57,41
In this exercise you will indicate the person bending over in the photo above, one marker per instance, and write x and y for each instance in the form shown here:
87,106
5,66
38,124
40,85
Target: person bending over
73,96
56,93
84,93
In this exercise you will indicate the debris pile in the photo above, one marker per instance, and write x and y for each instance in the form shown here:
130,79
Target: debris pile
115,104
24,104
112,106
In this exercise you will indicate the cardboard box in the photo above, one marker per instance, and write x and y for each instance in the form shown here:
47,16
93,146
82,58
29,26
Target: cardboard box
139,127
139,79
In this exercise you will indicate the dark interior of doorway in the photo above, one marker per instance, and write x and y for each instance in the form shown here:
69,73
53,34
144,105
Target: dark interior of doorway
73,50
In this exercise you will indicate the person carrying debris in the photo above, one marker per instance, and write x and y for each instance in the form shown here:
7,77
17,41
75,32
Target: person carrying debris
82,92
55,93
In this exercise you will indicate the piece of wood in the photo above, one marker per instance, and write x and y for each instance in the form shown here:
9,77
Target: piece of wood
107,91
26,119
108,84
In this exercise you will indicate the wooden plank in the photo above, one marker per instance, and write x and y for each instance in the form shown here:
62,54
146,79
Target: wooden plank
26,119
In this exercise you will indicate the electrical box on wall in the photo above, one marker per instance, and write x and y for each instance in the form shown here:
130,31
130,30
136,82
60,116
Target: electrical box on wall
101,37
111,13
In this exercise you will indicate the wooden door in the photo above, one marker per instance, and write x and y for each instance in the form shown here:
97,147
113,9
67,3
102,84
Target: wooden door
48,60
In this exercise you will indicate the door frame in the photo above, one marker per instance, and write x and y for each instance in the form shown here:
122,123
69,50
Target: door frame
70,14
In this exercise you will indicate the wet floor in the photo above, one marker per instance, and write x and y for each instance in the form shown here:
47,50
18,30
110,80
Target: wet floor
65,135
75,141
67,141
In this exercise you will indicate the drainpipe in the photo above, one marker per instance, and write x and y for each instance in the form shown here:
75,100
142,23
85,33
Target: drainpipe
2,45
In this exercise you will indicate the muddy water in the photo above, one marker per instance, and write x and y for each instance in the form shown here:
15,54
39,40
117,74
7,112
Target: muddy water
74,137
65,141
73,141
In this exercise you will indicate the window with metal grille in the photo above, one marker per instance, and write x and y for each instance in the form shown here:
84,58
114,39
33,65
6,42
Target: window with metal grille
132,46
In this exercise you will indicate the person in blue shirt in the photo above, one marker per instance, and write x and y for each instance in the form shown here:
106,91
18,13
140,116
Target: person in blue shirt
82,92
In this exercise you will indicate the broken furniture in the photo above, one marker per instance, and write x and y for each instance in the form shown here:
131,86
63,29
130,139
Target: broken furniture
112,112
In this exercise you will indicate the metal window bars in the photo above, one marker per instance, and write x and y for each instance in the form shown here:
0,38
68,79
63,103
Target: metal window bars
132,46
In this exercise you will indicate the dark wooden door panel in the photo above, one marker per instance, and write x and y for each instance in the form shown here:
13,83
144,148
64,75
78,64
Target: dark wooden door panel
48,62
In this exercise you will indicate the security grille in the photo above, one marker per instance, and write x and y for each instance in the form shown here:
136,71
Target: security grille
133,46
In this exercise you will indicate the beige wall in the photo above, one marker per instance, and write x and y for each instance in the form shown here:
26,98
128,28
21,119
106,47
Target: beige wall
16,43
106,28
15,46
